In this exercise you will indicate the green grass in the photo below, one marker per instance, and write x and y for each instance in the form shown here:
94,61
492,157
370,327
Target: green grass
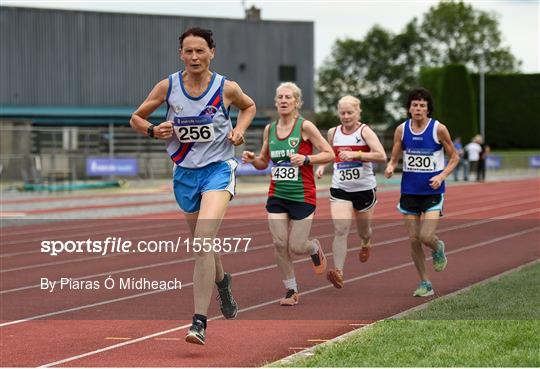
492,325
514,296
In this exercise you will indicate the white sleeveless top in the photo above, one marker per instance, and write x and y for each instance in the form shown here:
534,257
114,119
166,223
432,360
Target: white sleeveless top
201,124
355,175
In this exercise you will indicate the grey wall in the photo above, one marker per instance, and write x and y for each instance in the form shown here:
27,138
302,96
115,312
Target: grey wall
57,57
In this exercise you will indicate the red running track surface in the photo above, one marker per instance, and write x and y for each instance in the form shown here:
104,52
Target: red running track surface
488,229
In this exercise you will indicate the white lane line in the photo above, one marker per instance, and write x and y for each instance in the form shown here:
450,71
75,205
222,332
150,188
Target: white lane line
101,231
78,260
382,243
60,262
227,226
8,214
500,205
114,272
56,228
143,338
155,230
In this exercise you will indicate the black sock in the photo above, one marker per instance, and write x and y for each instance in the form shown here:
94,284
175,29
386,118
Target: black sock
316,259
202,318
223,283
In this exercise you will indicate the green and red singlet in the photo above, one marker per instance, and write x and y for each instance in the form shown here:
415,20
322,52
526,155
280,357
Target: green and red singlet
291,183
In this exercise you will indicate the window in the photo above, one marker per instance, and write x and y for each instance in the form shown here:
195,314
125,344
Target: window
287,73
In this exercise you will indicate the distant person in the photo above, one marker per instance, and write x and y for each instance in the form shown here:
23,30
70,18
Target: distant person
422,141
481,171
289,143
473,150
200,141
463,163
353,191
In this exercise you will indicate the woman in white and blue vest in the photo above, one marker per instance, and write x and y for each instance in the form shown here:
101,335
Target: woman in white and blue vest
200,139
422,141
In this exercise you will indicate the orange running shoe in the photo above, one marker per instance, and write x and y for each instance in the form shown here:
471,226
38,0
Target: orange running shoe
364,253
335,277
291,298
319,260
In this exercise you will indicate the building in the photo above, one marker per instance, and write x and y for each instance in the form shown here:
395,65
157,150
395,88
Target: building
71,79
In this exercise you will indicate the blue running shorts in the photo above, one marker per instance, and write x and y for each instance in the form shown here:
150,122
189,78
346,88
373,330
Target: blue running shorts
190,183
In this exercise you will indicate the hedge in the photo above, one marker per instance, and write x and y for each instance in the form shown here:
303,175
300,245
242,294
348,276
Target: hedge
452,91
512,108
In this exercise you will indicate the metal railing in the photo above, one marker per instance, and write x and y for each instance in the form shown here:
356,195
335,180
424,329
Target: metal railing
35,154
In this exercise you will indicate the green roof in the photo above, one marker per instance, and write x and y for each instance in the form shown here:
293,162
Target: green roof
75,115
88,115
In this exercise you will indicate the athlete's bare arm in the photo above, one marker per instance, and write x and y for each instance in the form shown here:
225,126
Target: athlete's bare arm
155,98
233,95
397,150
261,161
376,153
312,133
444,138
319,172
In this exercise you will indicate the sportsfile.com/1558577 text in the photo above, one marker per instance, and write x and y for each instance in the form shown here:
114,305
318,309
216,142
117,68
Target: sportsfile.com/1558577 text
120,245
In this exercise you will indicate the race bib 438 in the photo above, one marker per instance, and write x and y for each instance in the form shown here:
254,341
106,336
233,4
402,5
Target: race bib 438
284,172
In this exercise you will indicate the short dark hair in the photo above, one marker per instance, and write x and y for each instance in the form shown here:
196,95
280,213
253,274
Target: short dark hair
420,93
198,32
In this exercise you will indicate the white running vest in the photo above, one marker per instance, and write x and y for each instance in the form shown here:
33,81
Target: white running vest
355,175
201,124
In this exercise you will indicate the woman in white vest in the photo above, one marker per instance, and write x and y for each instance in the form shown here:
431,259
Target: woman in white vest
200,139
356,146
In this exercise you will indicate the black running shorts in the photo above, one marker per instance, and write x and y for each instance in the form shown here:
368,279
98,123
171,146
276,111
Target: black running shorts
418,204
361,200
296,210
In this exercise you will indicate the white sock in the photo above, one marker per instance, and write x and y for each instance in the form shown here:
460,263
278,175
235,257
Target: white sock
314,248
290,284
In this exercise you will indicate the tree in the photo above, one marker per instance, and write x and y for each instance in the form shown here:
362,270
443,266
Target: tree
382,67
455,33
373,69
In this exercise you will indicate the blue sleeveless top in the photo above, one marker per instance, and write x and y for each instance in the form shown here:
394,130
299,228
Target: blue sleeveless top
423,158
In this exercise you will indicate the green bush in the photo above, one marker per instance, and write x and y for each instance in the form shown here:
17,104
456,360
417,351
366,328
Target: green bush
512,110
452,91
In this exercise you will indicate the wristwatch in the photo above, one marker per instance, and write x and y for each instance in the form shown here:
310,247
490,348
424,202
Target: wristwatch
150,131
307,160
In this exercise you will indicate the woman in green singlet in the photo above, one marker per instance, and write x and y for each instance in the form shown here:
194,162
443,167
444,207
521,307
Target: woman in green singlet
288,143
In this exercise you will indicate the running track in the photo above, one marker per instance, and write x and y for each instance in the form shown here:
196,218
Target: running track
488,228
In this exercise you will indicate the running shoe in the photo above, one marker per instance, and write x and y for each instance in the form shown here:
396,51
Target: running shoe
227,304
424,289
335,277
319,260
196,333
439,258
291,298
364,253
